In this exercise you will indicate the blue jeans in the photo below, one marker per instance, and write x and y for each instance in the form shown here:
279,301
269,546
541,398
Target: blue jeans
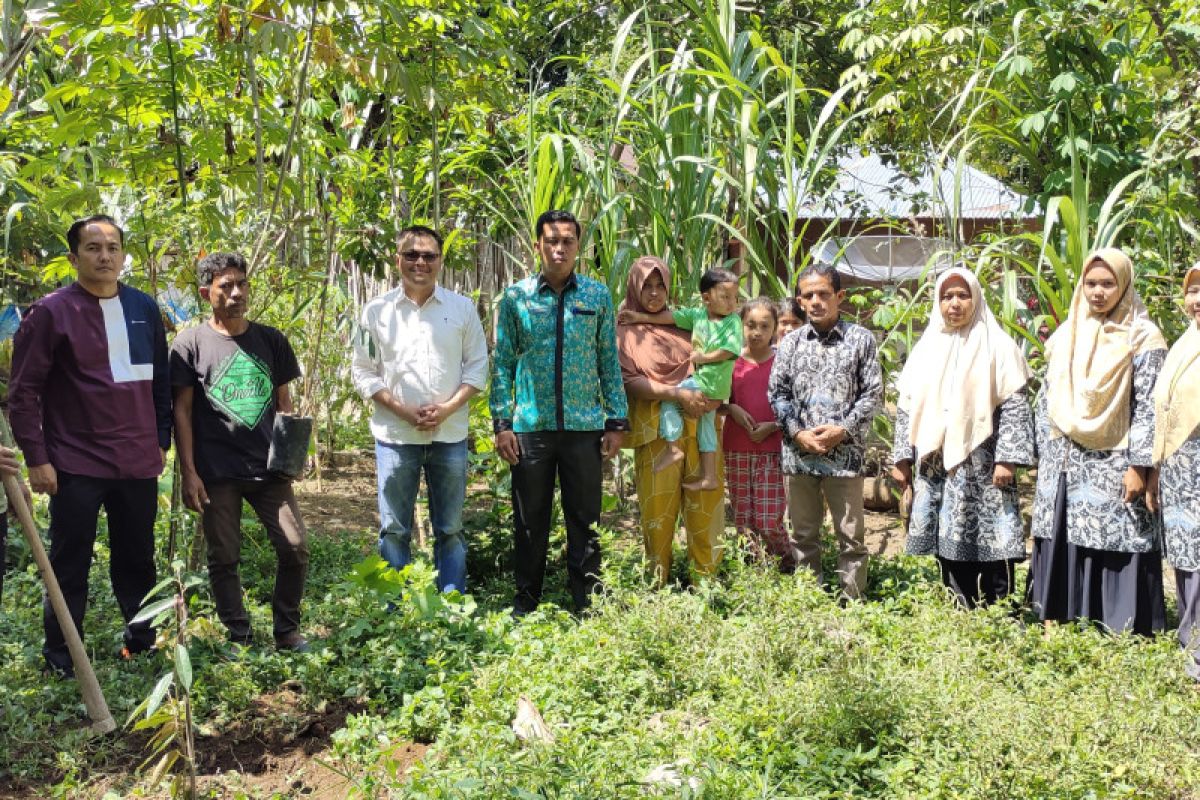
398,467
670,422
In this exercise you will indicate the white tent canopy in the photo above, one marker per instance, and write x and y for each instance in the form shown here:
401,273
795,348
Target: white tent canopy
886,259
866,187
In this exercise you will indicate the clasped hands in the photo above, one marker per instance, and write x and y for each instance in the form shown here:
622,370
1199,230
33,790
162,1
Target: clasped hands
426,417
757,431
821,439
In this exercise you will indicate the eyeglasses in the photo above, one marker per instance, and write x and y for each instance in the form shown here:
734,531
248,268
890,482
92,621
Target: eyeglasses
413,256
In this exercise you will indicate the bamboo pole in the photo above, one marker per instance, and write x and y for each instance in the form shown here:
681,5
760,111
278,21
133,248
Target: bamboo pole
93,697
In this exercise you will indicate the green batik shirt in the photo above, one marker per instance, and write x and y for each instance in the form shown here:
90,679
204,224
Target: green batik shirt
555,367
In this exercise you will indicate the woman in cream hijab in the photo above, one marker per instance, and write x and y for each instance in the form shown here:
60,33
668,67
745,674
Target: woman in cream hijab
1176,483
1096,550
964,420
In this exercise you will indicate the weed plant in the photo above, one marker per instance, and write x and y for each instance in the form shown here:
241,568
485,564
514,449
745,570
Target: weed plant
749,684
760,685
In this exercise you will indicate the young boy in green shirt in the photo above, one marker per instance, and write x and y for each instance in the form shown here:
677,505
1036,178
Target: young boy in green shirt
716,343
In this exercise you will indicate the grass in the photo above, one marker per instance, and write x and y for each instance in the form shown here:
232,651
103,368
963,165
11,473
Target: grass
749,685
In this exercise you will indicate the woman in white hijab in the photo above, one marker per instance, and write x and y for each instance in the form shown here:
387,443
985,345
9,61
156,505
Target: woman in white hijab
964,420
1096,548
1175,485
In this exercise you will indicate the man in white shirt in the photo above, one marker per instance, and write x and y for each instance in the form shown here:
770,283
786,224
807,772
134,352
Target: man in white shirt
420,356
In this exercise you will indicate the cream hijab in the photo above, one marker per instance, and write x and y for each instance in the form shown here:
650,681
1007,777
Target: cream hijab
955,378
1089,365
1177,393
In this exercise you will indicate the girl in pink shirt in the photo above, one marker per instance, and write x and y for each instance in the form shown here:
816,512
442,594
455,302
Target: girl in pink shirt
753,473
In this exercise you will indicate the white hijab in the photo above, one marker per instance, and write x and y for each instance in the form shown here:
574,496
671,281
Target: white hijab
955,378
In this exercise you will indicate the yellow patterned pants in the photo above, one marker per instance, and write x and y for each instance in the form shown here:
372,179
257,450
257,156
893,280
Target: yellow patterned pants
662,500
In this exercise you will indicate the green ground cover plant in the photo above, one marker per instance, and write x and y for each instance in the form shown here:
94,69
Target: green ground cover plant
747,685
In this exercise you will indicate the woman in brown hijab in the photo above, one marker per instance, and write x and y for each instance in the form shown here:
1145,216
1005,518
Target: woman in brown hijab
654,359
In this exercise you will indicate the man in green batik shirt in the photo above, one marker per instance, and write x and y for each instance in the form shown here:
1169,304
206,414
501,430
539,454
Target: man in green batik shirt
558,408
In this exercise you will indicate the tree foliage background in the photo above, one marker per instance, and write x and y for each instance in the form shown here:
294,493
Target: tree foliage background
307,133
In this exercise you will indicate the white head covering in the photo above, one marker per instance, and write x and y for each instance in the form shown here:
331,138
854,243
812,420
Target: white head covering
1177,392
1089,365
955,378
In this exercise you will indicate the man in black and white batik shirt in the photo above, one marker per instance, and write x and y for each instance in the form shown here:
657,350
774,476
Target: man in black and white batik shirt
825,388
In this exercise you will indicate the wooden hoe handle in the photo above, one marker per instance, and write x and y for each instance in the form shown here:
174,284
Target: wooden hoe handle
93,698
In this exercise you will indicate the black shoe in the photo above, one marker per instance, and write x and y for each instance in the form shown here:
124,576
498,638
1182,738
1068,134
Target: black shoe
59,671
293,643
130,652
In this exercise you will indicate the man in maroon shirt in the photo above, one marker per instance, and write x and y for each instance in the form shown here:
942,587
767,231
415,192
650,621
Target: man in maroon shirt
90,405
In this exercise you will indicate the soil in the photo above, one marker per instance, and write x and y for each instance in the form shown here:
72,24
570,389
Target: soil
342,497
280,748
278,751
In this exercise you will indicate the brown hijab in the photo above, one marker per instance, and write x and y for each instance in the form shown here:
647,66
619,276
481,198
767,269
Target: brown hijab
661,353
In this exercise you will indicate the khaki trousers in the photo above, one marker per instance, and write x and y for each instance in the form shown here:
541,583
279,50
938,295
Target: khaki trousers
808,496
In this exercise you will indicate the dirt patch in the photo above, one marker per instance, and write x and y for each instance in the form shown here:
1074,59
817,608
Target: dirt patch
885,533
295,774
343,498
277,727
11,790
280,748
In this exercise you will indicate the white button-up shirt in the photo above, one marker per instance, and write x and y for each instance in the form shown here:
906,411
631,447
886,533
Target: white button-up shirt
422,354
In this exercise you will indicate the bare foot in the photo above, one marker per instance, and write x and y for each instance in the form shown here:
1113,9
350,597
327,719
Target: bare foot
704,484
669,457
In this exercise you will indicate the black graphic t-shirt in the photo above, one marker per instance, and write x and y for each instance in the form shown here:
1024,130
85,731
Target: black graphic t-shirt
233,407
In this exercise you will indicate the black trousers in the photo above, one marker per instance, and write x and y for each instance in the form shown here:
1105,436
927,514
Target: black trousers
130,506
574,457
275,505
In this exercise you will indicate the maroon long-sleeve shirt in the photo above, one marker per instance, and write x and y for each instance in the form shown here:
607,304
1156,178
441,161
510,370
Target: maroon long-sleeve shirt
89,391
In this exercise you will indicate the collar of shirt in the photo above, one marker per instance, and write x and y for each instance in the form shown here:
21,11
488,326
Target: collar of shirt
436,297
836,333
542,283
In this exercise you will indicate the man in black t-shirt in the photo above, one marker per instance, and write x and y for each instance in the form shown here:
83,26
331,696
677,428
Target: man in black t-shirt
230,377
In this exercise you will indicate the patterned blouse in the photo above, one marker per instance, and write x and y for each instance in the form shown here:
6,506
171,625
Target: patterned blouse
555,365
826,379
1180,490
961,516
1097,515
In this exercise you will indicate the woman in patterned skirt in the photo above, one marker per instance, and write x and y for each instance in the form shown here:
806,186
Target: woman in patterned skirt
1175,484
1096,546
964,420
